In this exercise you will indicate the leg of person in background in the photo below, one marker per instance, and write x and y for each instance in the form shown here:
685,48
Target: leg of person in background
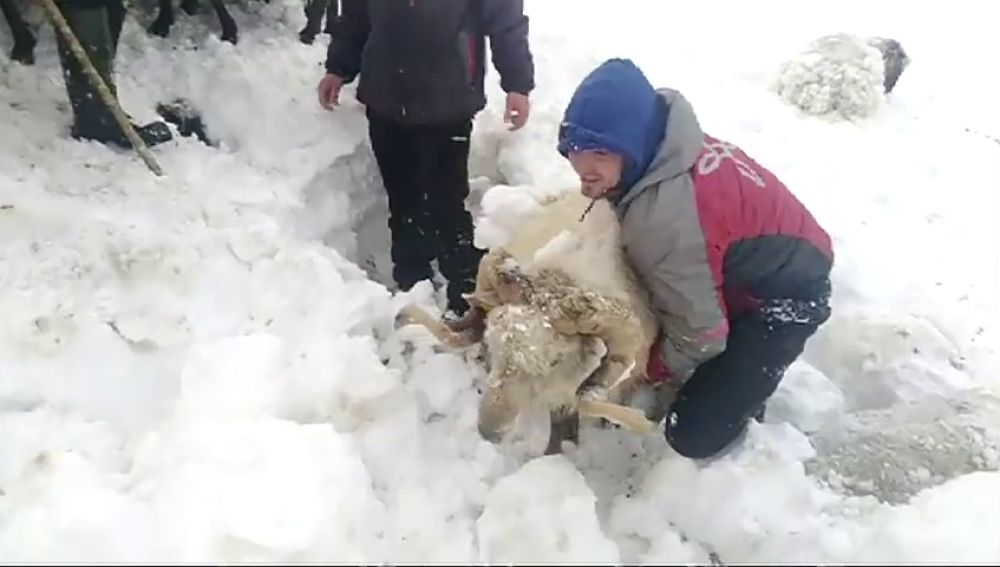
23,50
447,189
332,14
314,19
397,151
97,25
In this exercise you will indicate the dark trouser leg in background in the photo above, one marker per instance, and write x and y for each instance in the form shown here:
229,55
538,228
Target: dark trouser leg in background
398,150
23,50
447,182
116,21
97,25
712,409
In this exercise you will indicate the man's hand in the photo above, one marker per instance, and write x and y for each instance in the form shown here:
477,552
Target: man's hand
518,108
656,368
329,91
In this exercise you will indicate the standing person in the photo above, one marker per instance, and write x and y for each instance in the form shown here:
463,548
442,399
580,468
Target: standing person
421,66
97,24
736,267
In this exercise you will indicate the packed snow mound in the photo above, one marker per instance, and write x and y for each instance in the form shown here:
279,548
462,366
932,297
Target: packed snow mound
545,514
237,491
839,75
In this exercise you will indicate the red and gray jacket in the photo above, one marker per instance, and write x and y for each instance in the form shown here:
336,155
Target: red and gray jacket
424,61
711,232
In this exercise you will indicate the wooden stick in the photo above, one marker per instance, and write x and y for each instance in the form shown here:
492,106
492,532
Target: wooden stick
98,83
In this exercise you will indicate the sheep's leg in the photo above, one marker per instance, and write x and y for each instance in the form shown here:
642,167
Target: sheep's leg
164,19
229,30
631,418
24,41
562,426
413,315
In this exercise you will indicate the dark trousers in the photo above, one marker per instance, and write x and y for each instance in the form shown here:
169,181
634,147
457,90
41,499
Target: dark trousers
97,25
713,407
426,175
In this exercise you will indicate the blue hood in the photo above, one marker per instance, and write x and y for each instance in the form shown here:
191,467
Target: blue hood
616,109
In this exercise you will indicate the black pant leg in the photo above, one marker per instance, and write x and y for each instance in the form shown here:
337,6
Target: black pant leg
447,186
397,149
712,409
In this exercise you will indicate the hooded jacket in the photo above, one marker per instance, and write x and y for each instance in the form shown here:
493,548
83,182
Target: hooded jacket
709,231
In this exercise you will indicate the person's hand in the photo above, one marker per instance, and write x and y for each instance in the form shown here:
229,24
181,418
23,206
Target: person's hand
518,108
656,368
329,91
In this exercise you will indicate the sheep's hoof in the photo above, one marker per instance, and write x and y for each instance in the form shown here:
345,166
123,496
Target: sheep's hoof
491,435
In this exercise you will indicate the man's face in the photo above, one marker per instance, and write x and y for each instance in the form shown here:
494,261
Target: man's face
599,171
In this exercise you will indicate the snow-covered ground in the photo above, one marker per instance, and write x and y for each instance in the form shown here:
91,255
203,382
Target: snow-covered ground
194,368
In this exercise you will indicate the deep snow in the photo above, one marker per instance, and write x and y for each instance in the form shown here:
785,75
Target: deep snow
195,368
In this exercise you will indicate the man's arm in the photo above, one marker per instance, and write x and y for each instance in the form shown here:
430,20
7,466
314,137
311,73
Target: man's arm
672,261
347,40
507,27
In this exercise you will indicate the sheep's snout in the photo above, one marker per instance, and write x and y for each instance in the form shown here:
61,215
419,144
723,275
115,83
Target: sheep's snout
492,435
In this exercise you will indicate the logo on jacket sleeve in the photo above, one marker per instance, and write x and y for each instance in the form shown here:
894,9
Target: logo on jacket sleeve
717,151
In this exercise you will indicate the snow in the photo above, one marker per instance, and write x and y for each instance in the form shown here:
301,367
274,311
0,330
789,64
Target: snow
203,367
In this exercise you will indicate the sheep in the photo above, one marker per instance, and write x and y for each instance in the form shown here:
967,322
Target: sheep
565,323
842,75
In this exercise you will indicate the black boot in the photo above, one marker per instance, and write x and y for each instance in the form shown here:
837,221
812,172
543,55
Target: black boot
97,31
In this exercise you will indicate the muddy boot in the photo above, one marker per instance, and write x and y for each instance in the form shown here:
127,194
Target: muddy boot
96,30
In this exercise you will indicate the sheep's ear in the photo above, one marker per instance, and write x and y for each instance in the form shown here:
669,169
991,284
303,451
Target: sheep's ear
631,418
414,315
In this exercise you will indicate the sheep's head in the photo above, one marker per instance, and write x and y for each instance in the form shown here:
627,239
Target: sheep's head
531,363
512,284
895,58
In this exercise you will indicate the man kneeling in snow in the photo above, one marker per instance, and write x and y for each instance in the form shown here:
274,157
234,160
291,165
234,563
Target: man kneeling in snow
736,267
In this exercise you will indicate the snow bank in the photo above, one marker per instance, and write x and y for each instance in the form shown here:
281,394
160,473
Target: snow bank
196,368
543,513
